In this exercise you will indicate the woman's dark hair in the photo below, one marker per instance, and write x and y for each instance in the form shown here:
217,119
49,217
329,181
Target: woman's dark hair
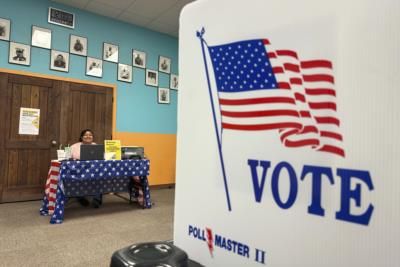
83,133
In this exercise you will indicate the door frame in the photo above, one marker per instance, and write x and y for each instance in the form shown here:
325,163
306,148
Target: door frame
54,77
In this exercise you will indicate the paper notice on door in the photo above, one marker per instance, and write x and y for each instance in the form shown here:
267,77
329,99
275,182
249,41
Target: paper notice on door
29,121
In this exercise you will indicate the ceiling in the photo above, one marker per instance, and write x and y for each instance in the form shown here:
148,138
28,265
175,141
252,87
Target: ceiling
157,15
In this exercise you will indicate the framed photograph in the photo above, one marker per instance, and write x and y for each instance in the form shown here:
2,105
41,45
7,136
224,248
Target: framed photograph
19,54
41,37
59,61
78,45
151,77
125,73
139,59
163,95
110,52
164,64
61,17
94,67
5,28
173,82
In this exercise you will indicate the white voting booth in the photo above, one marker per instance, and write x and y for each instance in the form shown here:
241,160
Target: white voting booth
288,125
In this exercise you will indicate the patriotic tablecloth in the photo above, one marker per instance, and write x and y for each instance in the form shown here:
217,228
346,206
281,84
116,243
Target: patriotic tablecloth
92,177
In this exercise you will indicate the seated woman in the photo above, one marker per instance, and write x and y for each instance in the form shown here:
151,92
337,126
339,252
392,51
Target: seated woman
85,138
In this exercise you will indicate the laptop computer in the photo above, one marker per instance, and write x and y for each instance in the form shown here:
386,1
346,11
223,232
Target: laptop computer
92,152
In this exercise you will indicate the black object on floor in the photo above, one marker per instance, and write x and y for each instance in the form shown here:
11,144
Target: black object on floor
96,203
150,254
83,201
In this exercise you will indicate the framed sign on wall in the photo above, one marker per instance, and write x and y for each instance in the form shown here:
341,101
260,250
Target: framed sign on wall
61,17
41,37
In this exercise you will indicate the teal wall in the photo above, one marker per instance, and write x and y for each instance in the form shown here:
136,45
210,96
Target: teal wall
137,107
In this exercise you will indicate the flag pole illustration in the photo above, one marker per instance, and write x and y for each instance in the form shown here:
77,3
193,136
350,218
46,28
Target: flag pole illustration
203,43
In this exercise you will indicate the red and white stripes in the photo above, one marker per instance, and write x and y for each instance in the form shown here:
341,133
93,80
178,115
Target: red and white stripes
51,185
312,84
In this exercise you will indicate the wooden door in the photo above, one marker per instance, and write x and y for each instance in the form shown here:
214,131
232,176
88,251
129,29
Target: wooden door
25,158
86,107
65,109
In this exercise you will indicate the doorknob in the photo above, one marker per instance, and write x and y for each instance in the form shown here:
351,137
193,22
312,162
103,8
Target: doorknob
53,142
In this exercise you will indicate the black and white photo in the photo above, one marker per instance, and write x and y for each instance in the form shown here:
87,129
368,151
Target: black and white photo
163,95
139,59
125,73
94,67
5,26
151,77
110,52
164,64
59,61
41,37
19,54
174,82
78,45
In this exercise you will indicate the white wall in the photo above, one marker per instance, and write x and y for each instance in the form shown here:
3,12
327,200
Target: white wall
359,192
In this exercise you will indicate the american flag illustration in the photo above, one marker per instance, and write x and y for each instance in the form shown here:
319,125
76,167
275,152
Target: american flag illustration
262,88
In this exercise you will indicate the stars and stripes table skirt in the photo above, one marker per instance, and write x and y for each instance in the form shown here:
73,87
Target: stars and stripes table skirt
93,177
